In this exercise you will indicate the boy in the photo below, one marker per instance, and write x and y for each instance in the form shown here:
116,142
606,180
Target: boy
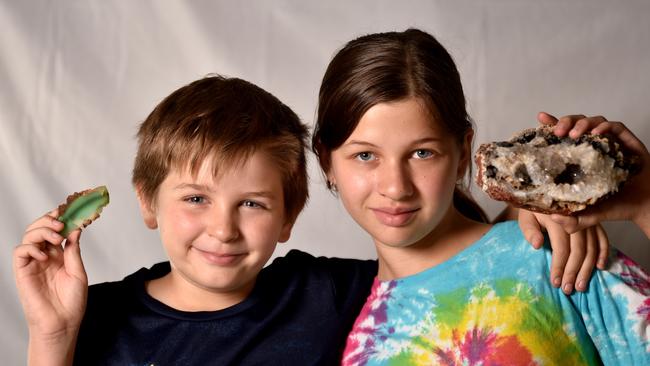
221,172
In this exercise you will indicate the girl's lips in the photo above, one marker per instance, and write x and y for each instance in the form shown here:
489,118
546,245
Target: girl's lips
221,259
392,217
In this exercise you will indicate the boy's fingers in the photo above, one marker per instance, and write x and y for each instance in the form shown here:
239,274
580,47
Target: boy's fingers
591,254
48,220
578,242
72,256
559,255
530,228
25,253
603,247
573,224
42,235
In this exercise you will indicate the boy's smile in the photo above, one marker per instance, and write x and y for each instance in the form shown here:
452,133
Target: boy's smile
218,232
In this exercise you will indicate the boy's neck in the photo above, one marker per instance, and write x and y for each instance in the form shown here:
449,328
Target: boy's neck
452,235
175,292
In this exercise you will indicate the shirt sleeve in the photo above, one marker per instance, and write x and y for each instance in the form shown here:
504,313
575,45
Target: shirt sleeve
616,312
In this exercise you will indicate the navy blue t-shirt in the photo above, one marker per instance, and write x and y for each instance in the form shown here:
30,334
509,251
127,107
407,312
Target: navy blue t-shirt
299,313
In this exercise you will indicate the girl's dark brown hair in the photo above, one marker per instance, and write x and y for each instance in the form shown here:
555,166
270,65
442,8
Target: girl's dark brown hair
387,67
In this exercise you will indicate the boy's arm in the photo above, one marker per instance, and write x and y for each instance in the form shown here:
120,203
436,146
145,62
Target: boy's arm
53,287
573,255
51,352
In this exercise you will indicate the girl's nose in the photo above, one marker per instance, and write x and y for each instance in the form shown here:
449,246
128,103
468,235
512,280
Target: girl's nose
394,181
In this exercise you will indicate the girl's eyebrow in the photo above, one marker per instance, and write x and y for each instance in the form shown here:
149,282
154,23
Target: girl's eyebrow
426,139
362,143
414,142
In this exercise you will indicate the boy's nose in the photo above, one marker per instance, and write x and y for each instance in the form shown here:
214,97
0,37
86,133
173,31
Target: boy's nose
394,181
223,227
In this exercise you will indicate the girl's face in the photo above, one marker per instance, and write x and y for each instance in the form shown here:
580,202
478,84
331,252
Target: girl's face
397,171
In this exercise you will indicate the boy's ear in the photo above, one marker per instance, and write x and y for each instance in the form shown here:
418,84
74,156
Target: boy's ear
465,154
147,210
285,232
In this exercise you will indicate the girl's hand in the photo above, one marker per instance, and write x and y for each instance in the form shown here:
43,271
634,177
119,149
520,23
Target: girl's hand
633,201
51,280
573,255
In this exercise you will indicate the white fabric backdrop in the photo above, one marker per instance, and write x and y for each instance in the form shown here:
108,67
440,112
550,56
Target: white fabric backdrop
77,77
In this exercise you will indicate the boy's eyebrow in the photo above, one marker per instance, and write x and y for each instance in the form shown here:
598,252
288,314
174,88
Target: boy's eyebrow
202,187
198,187
267,194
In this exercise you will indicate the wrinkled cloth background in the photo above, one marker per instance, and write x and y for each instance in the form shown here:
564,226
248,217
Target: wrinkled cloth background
77,78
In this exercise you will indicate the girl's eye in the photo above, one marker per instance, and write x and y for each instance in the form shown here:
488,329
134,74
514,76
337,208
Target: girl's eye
422,154
195,199
365,156
251,204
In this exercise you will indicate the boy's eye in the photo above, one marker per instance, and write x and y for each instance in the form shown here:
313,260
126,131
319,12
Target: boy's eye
422,154
365,156
195,199
251,204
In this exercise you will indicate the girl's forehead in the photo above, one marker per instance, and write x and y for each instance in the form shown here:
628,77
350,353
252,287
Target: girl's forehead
400,118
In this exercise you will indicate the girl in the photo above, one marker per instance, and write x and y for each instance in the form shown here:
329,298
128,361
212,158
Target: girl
394,140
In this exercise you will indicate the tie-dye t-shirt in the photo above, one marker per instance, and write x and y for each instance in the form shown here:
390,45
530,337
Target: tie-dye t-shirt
492,304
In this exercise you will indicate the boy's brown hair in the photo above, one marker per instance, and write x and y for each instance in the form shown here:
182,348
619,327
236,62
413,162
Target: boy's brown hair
225,119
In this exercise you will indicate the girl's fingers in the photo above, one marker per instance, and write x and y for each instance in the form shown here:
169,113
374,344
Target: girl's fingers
623,134
585,125
565,124
546,119
591,254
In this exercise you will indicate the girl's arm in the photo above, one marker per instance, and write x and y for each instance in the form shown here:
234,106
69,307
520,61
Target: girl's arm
633,201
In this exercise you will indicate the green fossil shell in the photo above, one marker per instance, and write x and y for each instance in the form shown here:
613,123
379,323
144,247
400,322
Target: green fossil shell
82,208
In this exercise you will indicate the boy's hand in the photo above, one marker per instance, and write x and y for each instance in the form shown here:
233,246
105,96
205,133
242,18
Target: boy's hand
51,280
633,201
573,255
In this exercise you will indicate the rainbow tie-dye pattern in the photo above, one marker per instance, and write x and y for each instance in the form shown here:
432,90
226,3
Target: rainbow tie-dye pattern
492,304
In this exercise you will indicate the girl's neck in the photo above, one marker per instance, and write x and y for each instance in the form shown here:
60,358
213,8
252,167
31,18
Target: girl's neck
452,235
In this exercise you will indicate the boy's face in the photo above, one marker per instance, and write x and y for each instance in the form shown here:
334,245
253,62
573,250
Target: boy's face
219,232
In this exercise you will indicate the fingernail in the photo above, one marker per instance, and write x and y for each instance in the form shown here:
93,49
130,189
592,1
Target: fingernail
56,236
581,285
557,281
568,288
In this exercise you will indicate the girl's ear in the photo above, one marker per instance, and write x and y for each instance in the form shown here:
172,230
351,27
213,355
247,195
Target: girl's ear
465,154
147,210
